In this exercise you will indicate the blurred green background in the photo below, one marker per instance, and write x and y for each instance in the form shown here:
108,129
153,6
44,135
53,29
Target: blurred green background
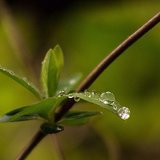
87,32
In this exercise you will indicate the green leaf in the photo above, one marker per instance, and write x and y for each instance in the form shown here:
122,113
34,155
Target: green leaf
50,72
105,100
94,98
77,117
39,110
22,81
69,84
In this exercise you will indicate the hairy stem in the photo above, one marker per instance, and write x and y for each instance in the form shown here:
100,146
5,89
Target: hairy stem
95,73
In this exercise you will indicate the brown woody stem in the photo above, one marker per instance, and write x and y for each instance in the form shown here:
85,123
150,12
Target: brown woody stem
34,142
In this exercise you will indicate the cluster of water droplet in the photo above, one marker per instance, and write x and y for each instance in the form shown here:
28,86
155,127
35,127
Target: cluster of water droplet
70,95
103,99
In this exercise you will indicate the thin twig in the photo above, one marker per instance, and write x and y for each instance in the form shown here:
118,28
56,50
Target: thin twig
98,70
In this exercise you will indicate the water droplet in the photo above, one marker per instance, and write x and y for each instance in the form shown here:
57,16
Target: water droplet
96,96
70,95
124,113
88,94
108,96
59,128
61,93
105,102
93,93
76,99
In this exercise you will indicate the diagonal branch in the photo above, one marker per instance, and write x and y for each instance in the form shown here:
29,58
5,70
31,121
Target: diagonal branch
94,75
36,139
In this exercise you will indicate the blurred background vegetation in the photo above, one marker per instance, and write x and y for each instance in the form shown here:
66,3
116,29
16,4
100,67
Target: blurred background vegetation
87,31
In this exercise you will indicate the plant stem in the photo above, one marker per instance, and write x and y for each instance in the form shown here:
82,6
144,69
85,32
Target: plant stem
118,51
95,73
34,142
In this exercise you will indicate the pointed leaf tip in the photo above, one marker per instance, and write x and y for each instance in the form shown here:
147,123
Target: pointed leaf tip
4,118
40,110
51,69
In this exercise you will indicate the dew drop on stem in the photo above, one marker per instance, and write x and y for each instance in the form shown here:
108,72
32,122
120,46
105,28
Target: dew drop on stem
61,93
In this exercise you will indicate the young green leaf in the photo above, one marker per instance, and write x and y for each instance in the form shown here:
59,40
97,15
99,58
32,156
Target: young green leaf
69,84
22,81
77,117
39,110
50,72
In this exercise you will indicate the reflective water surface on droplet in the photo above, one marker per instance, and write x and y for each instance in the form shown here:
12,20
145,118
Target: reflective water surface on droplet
70,95
107,96
92,93
124,113
61,93
86,92
96,96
